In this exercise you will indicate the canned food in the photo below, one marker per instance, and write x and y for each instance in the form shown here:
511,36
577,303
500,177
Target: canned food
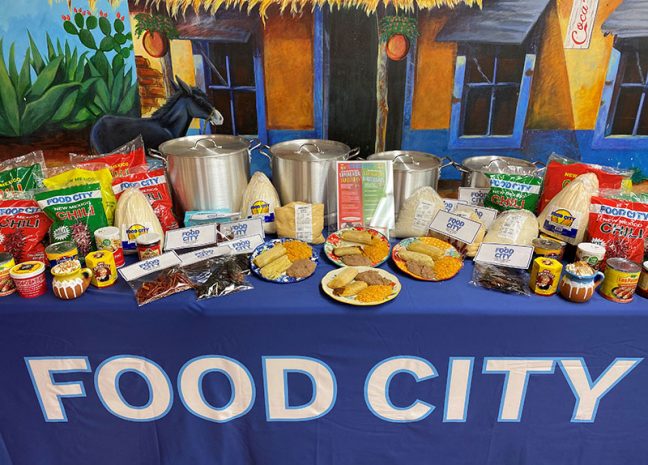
149,245
621,279
642,288
7,285
29,278
550,248
61,251
102,264
545,276
109,238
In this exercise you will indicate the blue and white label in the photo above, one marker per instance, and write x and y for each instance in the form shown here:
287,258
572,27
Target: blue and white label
450,205
242,228
243,245
486,215
195,236
506,255
473,195
203,254
139,269
455,226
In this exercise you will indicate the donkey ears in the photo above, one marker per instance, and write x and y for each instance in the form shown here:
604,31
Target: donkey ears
180,84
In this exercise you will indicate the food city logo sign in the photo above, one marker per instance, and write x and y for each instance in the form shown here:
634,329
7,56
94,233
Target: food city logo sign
581,24
517,373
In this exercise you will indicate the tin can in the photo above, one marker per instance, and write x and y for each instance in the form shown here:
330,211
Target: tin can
642,288
7,285
109,238
545,276
29,278
149,245
550,248
61,251
102,264
621,280
590,253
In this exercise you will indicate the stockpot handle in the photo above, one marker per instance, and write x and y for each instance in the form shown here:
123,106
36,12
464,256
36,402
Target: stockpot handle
158,156
460,167
353,153
539,163
256,144
198,143
449,163
309,144
403,155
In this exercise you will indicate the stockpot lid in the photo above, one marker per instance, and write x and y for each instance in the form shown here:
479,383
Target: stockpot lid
409,160
200,146
310,150
498,164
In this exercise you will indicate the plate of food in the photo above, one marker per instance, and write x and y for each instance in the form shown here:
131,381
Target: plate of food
284,261
361,285
357,247
427,258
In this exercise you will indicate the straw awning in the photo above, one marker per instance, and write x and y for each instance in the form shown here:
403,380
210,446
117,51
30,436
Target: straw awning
179,7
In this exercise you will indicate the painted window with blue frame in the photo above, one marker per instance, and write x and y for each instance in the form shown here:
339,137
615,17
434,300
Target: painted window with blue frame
623,115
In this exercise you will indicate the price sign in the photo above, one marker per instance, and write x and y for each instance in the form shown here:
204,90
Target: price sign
473,195
455,226
450,205
486,215
506,255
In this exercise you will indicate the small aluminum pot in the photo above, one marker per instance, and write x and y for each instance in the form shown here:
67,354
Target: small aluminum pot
474,169
412,170
207,172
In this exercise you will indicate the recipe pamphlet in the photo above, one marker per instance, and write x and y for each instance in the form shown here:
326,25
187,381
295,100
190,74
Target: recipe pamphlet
365,195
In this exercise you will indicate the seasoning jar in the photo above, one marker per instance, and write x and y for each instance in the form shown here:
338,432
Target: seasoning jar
7,285
61,251
642,288
109,238
104,270
545,276
149,245
621,279
590,253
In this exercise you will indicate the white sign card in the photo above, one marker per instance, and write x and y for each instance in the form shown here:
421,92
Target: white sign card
506,255
455,226
139,269
486,215
244,244
473,195
203,254
195,236
581,24
450,205
242,228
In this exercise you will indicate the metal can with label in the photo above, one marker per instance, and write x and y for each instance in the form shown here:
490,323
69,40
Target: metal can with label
109,238
102,264
545,276
7,285
642,288
550,248
61,251
621,280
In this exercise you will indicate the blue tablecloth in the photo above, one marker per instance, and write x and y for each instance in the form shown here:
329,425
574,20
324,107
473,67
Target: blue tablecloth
429,322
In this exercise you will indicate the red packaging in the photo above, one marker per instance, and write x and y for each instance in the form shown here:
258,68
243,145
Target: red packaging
153,184
558,175
23,228
620,225
29,278
120,161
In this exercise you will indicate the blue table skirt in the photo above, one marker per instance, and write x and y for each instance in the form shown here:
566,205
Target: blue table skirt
432,321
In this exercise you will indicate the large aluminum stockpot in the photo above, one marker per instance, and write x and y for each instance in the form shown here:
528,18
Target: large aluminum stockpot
207,172
474,169
303,170
411,171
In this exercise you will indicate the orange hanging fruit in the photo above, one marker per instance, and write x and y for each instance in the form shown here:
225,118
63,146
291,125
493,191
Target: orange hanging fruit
397,47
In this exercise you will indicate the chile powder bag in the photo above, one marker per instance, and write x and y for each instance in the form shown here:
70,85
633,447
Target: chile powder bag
23,227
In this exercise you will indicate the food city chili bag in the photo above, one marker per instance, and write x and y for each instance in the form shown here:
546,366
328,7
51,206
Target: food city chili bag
23,227
22,173
153,184
120,161
76,213
513,192
620,224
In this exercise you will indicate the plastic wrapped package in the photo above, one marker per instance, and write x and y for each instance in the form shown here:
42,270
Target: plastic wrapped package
513,192
468,250
302,221
134,216
23,173
517,227
260,200
216,276
566,216
417,212
501,279
23,226
120,161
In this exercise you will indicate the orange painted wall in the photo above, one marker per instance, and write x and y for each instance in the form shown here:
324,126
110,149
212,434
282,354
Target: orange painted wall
434,76
288,68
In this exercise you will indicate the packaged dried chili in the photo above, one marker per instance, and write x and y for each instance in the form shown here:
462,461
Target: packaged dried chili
156,278
23,227
22,173
120,161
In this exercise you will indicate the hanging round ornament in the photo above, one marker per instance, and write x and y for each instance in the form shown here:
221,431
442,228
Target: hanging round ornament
396,32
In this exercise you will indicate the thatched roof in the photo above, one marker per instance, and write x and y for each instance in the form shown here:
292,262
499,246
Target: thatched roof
179,7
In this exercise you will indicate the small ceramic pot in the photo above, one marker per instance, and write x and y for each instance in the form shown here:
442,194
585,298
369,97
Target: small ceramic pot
577,288
70,280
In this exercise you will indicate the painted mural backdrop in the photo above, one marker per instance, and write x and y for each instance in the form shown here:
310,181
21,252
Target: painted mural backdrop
514,77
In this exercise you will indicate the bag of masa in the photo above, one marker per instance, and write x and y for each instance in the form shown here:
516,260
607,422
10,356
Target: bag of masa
76,213
513,192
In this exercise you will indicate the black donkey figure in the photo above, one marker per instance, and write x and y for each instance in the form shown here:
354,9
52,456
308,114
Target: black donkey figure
168,122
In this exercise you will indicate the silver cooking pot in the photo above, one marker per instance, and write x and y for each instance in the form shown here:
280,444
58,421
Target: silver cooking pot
207,172
411,171
303,170
474,169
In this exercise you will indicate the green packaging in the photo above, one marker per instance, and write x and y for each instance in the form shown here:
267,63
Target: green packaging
513,192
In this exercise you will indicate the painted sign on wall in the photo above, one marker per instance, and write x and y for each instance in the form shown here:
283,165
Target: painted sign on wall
581,24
